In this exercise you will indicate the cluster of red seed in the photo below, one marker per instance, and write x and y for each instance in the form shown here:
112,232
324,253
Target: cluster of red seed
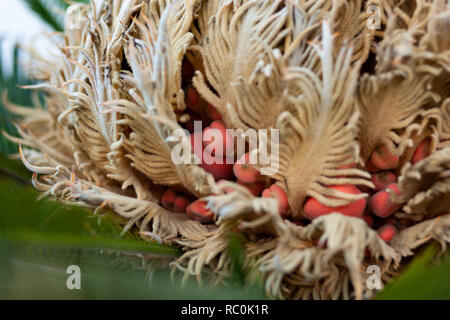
377,211
206,144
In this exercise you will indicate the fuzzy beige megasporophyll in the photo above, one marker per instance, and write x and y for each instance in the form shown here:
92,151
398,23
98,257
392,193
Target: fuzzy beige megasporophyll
359,90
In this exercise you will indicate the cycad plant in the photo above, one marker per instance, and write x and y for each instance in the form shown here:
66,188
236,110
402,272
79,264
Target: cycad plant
354,108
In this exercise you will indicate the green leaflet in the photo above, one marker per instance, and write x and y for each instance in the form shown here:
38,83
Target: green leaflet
42,9
15,94
31,278
422,279
14,169
48,224
39,240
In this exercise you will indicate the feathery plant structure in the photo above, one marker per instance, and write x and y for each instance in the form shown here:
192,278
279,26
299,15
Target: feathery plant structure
363,112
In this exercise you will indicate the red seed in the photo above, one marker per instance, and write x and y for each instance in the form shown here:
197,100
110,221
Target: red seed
422,151
244,171
192,98
197,210
371,168
406,222
216,139
189,125
213,112
180,204
219,171
255,188
391,220
369,220
168,199
313,208
216,165
278,193
168,196
381,203
387,232
187,71
383,179
382,159
348,166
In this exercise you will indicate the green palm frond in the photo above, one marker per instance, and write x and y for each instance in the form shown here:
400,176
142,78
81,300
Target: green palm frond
50,11
14,170
423,279
22,97
48,224
39,240
43,10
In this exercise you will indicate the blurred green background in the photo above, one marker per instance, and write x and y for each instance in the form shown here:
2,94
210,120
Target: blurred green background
40,239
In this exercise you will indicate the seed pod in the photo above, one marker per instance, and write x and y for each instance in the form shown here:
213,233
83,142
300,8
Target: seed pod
180,204
313,208
406,222
213,113
383,179
197,210
371,168
193,99
348,166
217,141
387,232
369,220
382,159
187,72
422,151
381,203
189,125
168,199
244,171
219,170
214,165
255,188
278,193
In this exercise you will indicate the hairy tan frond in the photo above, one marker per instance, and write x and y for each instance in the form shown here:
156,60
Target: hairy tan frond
169,227
353,28
320,137
409,239
149,141
179,16
295,256
425,186
200,29
444,128
393,108
109,134
239,40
